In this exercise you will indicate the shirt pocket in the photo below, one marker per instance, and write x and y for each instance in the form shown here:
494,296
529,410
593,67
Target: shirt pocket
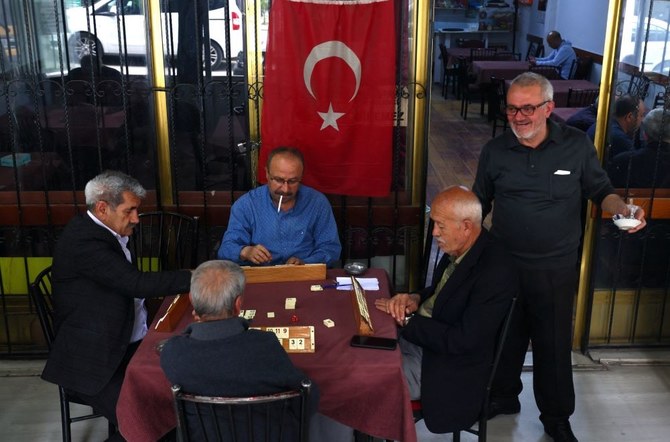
563,186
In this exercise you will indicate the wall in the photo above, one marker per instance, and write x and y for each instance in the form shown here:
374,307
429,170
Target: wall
585,29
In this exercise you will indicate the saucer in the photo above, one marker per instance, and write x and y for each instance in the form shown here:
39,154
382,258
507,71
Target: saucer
355,268
626,223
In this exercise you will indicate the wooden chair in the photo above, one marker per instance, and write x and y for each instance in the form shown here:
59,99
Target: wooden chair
507,56
581,68
581,97
40,293
467,87
550,72
480,431
482,54
449,72
497,104
534,50
166,241
282,416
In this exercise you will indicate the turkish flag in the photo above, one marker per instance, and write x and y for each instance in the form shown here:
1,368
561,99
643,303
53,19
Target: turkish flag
329,90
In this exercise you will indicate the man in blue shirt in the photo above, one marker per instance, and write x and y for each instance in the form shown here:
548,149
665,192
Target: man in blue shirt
628,113
562,55
282,222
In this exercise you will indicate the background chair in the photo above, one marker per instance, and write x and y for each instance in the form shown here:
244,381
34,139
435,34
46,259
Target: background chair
449,72
507,56
497,104
639,85
482,54
271,417
480,431
581,97
467,86
534,50
166,241
550,72
581,68
40,293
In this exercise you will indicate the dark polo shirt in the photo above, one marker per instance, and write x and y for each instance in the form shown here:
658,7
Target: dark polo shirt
538,193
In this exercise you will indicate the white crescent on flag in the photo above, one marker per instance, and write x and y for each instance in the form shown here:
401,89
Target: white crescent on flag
333,48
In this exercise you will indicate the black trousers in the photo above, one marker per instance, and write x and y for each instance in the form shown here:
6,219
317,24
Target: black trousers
105,401
544,316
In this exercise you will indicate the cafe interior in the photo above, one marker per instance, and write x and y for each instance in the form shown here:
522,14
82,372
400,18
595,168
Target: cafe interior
90,86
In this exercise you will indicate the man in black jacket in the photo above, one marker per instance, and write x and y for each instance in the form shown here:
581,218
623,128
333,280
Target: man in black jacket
98,294
448,344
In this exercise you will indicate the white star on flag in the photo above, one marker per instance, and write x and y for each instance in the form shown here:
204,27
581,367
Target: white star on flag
330,118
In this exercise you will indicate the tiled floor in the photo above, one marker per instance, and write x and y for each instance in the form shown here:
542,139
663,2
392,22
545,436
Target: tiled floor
625,398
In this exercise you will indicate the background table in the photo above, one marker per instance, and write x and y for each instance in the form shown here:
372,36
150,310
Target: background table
507,70
562,114
361,388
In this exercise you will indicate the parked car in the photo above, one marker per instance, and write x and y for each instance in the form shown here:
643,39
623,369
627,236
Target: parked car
98,34
657,47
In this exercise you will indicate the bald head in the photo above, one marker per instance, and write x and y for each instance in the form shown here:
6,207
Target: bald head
554,39
457,215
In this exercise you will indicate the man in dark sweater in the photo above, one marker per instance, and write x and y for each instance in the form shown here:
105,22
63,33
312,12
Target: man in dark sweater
538,175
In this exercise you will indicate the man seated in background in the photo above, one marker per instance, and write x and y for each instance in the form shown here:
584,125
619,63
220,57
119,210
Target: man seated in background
98,294
218,355
562,55
282,222
628,113
450,328
650,165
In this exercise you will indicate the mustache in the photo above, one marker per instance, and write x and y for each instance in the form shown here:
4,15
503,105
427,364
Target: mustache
280,193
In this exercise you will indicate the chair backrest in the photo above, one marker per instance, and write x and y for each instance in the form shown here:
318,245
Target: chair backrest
40,293
581,97
482,54
581,68
500,344
281,416
507,56
535,49
166,241
551,72
498,96
639,85
444,56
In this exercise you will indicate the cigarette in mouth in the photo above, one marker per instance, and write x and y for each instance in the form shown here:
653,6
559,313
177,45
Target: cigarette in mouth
279,205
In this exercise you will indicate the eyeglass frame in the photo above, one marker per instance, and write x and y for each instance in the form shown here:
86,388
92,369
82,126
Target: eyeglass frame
529,108
281,181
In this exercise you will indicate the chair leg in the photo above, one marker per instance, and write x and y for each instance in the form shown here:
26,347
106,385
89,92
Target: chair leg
481,431
456,436
65,417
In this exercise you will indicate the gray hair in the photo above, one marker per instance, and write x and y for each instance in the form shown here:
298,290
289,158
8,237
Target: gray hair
214,287
657,126
109,187
529,79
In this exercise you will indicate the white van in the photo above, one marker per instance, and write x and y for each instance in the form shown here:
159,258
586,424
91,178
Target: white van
104,39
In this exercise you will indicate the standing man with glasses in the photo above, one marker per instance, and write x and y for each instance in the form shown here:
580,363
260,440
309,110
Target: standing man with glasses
282,222
538,174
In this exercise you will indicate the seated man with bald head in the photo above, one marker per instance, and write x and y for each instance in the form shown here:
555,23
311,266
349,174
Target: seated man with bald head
449,329
562,55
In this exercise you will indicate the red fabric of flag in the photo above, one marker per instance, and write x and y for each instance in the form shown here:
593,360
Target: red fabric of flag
329,90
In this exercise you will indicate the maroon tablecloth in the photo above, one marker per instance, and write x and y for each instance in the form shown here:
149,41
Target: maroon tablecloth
362,388
561,114
485,69
561,88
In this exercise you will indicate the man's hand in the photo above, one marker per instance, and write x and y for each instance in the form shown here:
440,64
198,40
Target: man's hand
399,306
295,261
531,60
255,254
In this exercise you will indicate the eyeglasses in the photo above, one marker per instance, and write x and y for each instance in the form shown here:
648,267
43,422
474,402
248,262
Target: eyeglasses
526,110
282,181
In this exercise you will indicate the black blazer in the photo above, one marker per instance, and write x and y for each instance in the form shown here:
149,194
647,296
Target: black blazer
459,340
94,287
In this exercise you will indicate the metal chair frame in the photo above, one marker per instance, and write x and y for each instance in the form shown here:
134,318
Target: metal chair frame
551,72
581,97
216,410
166,241
40,292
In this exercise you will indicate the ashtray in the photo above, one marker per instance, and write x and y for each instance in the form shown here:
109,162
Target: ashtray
626,223
355,268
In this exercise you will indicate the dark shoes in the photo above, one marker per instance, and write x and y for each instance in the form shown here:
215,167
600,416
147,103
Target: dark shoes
560,431
506,406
